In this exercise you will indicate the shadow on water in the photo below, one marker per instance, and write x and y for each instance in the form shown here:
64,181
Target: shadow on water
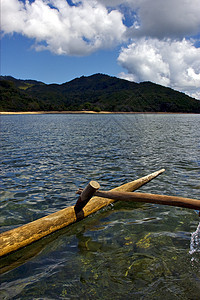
21,256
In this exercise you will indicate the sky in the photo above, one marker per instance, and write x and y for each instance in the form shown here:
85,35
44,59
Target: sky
55,41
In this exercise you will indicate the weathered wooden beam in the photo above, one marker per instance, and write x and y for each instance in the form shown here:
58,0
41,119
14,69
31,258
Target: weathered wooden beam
150,198
24,235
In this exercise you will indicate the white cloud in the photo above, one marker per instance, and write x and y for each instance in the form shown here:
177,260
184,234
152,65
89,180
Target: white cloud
64,29
91,25
171,18
155,32
145,62
161,18
169,63
12,16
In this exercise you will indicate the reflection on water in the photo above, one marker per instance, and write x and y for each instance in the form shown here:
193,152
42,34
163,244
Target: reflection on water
126,250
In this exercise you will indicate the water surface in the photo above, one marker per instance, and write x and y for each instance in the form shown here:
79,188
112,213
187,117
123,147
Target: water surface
127,250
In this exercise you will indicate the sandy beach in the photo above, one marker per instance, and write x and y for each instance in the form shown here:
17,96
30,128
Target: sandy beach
50,112
81,112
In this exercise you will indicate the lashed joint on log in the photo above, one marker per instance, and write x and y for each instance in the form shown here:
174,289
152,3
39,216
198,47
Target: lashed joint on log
85,195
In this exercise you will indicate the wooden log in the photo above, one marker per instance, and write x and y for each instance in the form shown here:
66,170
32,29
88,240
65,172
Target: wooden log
150,198
85,196
24,235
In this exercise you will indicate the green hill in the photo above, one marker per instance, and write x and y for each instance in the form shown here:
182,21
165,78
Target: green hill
14,99
97,92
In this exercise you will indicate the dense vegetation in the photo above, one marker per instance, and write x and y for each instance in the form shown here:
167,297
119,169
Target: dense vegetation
97,92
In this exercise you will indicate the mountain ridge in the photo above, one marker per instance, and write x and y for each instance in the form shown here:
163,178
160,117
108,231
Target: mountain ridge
96,92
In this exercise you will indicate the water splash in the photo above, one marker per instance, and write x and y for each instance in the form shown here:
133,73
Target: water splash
195,242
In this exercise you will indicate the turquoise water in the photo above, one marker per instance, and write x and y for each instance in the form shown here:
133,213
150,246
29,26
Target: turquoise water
127,250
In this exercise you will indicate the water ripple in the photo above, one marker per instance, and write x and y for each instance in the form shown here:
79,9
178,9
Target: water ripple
125,250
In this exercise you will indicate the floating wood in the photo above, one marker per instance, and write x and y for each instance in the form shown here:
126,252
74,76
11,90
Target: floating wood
22,236
150,198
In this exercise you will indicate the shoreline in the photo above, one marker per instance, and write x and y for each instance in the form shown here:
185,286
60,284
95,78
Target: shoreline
83,112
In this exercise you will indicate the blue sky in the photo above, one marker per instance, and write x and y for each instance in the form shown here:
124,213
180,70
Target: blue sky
55,41
20,60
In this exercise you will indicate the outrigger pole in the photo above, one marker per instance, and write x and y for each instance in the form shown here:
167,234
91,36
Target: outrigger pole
24,235
151,198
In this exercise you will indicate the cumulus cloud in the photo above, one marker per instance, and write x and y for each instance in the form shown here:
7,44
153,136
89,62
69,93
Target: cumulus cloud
170,63
63,29
161,18
90,25
156,35
171,18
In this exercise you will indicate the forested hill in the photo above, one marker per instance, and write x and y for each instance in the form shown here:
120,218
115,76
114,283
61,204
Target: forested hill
97,92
